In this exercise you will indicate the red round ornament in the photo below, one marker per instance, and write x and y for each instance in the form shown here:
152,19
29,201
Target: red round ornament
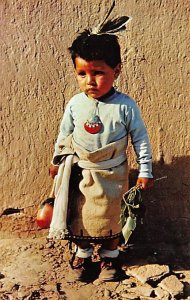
93,125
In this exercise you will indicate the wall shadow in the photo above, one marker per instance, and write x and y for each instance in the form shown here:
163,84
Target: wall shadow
166,223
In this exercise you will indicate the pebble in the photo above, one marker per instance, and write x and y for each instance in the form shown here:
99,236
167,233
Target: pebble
149,272
107,293
50,245
7,285
41,247
49,255
60,261
51,259
56,265
23,292
161,294
172,285
25,248
50,287
128,284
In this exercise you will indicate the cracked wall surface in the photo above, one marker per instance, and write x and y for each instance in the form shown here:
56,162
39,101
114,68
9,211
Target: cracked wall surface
37,80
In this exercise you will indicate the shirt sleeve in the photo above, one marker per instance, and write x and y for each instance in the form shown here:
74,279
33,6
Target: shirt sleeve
66,128
140,141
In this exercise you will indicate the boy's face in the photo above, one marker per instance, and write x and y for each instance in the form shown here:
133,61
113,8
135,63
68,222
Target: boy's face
95,78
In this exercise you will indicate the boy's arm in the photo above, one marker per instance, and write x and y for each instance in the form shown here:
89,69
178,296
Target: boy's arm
66,128
141,144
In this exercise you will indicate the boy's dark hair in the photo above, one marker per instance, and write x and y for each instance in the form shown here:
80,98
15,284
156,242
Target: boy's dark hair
96,47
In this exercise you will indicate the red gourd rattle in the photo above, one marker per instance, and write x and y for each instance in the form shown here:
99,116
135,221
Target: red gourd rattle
45,212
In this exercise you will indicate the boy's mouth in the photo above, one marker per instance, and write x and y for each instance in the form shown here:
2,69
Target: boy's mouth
92,89
92,92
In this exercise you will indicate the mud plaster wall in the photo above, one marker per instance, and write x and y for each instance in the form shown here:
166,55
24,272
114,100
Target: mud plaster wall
37,80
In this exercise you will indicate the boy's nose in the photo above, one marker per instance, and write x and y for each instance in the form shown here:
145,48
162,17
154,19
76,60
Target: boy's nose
90,80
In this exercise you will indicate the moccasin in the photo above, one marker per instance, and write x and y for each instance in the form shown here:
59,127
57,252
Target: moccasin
110,269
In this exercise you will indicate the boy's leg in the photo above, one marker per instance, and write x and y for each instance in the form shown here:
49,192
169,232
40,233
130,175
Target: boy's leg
110,268
111,244
81,261
83,249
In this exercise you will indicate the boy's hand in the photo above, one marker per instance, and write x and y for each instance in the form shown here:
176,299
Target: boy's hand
145,183
53,170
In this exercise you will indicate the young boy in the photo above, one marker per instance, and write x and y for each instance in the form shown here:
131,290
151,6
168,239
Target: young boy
94,130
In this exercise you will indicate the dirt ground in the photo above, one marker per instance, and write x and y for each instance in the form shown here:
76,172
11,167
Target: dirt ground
33,268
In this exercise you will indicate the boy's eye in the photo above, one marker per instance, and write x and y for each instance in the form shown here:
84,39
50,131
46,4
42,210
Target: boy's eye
98,72
81,73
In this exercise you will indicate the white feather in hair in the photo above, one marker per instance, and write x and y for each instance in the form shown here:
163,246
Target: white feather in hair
111,26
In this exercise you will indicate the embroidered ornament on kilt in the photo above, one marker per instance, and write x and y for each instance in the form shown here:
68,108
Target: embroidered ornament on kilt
93,125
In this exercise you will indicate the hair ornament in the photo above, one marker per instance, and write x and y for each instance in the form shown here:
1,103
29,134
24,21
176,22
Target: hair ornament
112,26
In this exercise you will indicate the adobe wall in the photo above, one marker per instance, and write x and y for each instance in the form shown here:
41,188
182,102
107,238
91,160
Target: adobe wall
38,80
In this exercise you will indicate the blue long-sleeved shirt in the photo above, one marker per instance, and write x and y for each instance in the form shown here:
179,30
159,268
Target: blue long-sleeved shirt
119,115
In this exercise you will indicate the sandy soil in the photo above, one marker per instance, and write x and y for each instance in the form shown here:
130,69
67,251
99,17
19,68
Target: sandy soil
33,268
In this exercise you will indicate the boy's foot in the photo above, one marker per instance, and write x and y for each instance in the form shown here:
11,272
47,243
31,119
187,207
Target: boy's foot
110,269
81,269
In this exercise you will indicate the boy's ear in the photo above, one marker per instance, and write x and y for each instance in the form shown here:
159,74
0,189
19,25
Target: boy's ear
117,71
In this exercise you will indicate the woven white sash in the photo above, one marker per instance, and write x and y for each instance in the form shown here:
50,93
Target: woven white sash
58,226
